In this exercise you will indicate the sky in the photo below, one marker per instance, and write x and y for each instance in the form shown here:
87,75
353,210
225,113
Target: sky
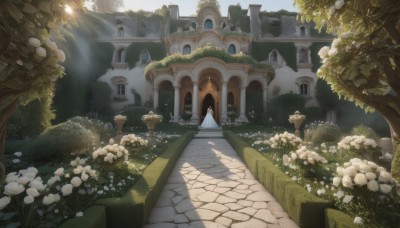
188,7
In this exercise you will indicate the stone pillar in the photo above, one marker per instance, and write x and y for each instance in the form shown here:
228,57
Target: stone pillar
176,104
195,100
265,98
155,98
224,95
242,116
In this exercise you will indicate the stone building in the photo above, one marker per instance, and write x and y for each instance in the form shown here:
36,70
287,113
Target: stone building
211,60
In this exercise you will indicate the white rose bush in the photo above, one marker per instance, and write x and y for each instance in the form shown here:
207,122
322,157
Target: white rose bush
132,141
285,141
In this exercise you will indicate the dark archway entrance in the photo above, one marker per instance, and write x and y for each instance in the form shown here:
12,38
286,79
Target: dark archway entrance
207,102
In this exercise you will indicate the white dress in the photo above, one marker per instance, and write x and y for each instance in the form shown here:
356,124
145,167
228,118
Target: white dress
209,121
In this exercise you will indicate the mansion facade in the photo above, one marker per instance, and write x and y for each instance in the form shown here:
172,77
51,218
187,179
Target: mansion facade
211,60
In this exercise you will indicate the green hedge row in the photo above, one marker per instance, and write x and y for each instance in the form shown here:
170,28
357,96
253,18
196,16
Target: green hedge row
134,207
338,219
94,217
304,208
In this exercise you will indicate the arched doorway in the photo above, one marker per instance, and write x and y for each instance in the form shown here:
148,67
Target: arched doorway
208,101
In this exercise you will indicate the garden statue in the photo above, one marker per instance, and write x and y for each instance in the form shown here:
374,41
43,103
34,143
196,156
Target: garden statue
119,121
297,120
151,120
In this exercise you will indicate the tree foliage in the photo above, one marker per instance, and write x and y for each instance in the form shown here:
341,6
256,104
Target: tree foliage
203,3
363,62
29,60
107,6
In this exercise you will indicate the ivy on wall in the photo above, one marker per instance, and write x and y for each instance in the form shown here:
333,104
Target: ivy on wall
271,26
238,17
261,50
157,52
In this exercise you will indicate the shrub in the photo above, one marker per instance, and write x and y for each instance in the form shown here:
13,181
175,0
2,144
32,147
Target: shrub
100,100
133,115
322,132
284,105
105,131
58,141
364,130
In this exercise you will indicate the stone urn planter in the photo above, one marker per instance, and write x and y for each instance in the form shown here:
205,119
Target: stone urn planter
297,120
151,120
119,121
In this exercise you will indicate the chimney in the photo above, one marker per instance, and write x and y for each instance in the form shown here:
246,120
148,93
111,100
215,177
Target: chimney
174,12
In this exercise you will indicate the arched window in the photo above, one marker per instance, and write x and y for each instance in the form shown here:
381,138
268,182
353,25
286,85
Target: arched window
302,31
231,100
144,56
273,56
121,89
120,55
223,25
231,49
194,25
187,49
188,98
120,32
208,24
303,56
303,89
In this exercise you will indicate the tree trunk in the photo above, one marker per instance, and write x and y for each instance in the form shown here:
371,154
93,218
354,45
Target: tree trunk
4,116
395,169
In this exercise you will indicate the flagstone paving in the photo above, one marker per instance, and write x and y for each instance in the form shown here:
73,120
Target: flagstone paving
211,187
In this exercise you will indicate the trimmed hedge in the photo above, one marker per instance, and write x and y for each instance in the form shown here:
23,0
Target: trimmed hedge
94,217
304,208
338,219
134,207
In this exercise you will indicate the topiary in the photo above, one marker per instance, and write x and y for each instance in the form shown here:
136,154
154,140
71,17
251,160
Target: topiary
103,130
58,141
134,116
322,132
364,130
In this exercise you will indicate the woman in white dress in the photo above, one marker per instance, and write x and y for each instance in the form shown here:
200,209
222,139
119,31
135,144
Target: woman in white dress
209,121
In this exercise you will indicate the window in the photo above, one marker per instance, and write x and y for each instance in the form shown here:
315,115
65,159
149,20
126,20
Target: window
231,49
120,32
121,89
121,55
208,24
303,89
302,31
303,58
187,49
194,25
223,25
273,56
231,99
144,57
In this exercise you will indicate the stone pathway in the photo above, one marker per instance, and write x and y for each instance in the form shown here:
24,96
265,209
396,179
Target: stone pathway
211,187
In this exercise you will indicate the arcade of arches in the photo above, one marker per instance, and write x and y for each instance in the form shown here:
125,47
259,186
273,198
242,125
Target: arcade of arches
210,82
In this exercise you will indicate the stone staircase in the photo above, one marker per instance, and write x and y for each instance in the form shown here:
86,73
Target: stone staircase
209,133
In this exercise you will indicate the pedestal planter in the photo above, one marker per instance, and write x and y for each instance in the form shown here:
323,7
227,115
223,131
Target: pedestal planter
119,121
151,120
297,120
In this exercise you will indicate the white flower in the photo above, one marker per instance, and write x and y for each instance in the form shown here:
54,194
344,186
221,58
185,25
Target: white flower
370,176
339,194
373,186
50,44
347,198
28,199
4,201
38,184
339,4
16,161
51,198
18,154
347,182
13,188
76,181
34,42
360,179
358,220
349,171
323,52
60,56
332,52
336,42
385,176
336,181
79,214
385,188
67,189
285,160
41,52
59,172
332,10
84,177
32,192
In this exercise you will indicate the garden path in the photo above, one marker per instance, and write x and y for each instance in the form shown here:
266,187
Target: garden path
211,187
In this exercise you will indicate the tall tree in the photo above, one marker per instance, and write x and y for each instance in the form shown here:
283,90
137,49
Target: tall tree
107,6
203,3
363,63
29,60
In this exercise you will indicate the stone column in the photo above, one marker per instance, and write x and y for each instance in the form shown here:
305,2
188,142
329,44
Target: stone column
195,100
155,98
265,98
176,104
224,95
242,116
